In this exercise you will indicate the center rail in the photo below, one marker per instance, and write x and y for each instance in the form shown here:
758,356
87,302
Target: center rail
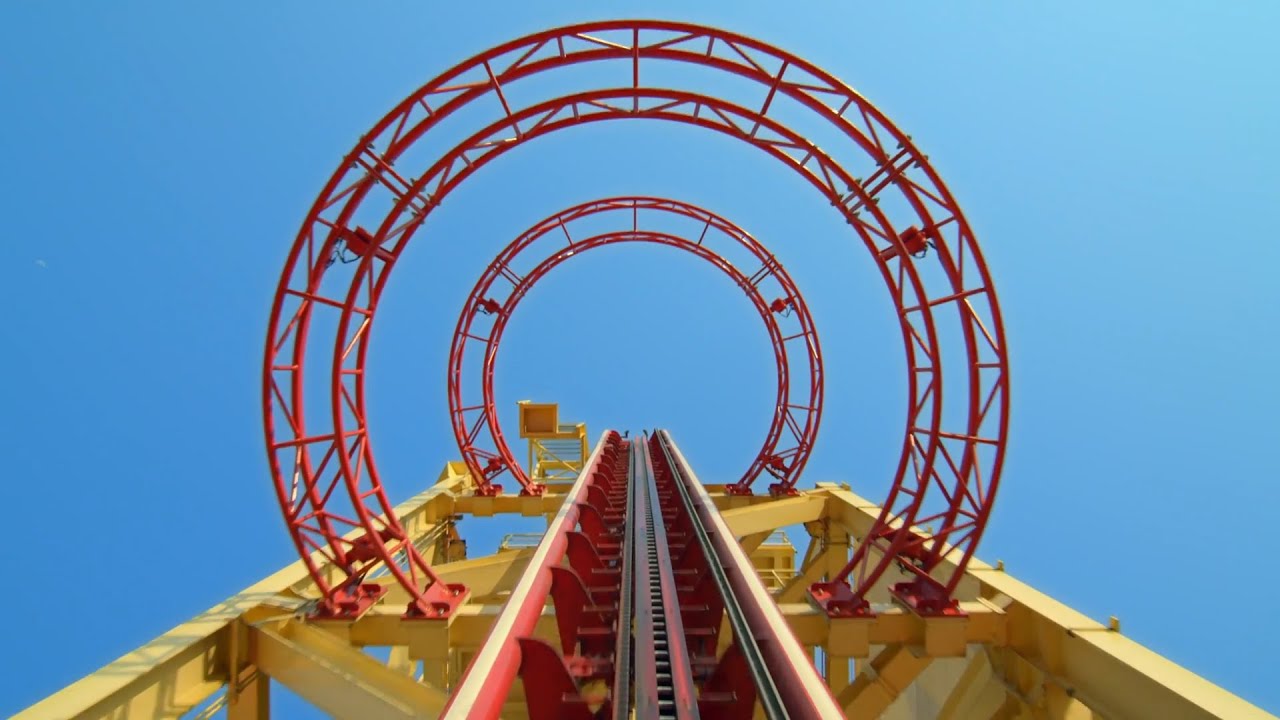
663,675
766,690
643,573
786,683
626,598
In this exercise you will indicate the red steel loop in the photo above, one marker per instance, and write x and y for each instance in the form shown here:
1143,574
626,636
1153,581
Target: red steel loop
870,172
491,303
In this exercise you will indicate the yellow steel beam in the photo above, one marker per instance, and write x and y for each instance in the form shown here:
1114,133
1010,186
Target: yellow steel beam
400,661
526,505
812,572
484,576
881,681
769,516
815,546
753,541
977,693
1079,657
253,698
1047,660
165,677
836,671
186,665
337,678
1088,661
385,625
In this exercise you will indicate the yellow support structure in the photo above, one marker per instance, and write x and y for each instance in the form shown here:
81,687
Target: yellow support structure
338,678
1019,653
557,453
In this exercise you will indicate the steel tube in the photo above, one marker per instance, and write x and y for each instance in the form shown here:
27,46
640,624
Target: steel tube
484,687
790,669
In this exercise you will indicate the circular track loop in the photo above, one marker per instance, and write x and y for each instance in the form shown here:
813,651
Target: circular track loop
493,300
871,173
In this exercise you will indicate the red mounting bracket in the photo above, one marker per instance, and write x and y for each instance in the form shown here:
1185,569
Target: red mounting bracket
350,602
437,602
926,598
838,600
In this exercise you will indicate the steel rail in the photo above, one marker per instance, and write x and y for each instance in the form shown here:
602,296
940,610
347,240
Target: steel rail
622,661
485,685
766,690
786,681
663,677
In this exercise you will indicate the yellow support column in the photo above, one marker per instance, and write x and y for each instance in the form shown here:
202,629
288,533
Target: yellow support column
557,453
881,682
253,701
338,678
977,693
837,672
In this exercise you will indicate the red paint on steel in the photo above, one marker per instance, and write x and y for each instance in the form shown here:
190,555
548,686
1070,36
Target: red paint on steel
550,691
729,694
789,669
484,686
957,460
789,441
663,665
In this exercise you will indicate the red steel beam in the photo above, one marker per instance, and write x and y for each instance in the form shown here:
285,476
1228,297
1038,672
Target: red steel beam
663,676
484,687
963,465
789,667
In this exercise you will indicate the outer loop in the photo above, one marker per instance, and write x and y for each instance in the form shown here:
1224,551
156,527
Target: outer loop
873,175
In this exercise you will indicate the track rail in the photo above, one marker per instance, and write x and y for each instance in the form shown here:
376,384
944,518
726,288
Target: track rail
786,683
621,695
663,674
510,647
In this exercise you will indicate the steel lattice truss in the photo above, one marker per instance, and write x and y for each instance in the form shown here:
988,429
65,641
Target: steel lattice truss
493,300
871,173
651,594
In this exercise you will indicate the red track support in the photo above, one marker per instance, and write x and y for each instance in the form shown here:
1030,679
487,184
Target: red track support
793,429
776,664
651,566
664,675
484,686
869,170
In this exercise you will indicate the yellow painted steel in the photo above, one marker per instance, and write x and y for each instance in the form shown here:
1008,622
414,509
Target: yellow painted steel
888,674
1018,653
773,556
557,453
185,666
337,678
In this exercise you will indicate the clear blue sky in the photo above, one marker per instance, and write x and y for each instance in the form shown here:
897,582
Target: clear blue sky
1118,164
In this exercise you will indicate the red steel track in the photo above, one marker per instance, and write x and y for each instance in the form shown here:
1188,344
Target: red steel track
493,300
644,576
483,688
871,173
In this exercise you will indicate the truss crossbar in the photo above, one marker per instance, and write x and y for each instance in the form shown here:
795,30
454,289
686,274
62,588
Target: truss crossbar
1016,652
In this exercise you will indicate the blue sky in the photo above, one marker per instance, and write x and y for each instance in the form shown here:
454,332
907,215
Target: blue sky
1117,163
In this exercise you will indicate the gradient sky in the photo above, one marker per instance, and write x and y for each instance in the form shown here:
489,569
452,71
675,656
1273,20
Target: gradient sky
1117,164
